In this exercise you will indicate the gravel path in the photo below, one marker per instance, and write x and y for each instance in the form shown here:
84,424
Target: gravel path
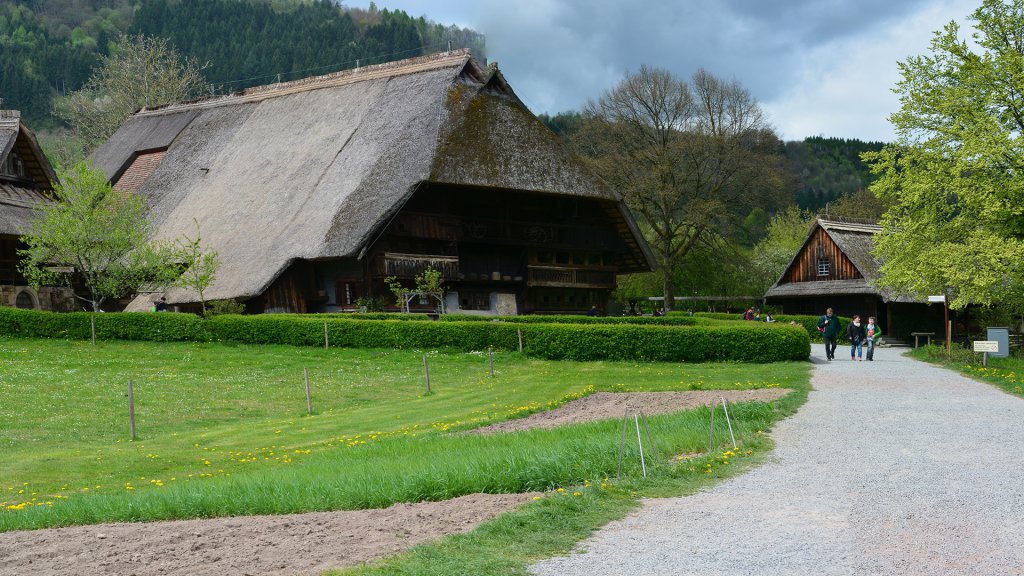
892,467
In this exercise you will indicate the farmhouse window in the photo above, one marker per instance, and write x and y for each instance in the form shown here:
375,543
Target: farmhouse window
471,300
823,267
13,166
348,291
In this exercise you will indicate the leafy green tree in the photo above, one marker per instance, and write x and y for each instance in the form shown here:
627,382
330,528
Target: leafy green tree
787,232
140,72
97,236
200,266
861,204
953,178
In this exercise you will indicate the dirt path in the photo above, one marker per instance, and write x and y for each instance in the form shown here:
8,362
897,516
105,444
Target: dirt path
313,542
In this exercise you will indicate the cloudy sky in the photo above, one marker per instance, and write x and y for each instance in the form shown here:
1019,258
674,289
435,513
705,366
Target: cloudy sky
819,67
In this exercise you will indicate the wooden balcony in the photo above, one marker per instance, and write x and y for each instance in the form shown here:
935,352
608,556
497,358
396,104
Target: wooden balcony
412,265
562,277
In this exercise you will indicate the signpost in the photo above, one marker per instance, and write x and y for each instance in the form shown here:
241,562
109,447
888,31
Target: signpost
941,299
986,346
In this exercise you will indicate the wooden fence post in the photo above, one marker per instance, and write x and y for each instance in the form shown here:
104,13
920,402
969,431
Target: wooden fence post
131,408
309,396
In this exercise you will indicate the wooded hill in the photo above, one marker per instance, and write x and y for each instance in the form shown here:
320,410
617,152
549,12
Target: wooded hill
48,47
823,169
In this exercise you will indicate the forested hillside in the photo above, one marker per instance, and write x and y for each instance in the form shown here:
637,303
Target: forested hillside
823,169
48,47
827,168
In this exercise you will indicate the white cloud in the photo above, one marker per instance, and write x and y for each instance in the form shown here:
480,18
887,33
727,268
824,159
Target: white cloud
844,88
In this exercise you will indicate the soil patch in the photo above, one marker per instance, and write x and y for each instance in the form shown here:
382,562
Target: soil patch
602,405
291,544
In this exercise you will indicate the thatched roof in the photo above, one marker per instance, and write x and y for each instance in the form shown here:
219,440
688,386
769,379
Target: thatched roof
856,240
313,169
19,198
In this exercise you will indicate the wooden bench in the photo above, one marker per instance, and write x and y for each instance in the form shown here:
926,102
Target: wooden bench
927,335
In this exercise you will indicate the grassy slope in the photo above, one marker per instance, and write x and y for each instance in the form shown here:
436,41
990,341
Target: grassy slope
223,429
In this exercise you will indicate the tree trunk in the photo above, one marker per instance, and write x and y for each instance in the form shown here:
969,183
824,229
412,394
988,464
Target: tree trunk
670,290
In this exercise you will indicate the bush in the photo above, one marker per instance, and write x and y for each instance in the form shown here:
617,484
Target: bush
219,307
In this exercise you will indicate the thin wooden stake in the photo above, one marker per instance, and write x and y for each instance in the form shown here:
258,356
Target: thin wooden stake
711,428
426,371
636,420
490,355
131,408
326,339
93,321
729,422
309,395
519,331
622,443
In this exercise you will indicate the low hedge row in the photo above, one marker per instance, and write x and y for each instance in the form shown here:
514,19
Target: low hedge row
741,342
809,323
569,319
162,327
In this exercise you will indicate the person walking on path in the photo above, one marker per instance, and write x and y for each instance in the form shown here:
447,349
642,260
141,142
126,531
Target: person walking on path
872,332
829,327
855,332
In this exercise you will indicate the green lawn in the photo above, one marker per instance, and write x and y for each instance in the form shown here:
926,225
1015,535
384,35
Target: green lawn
223,429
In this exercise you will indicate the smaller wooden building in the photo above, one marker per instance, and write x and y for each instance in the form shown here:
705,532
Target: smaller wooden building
25,182
835,268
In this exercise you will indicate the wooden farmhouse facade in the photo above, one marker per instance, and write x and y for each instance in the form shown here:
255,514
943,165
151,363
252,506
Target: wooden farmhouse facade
313,192
26,178
835,268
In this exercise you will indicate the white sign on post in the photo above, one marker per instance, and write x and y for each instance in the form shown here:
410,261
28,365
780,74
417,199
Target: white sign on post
986,346
937,299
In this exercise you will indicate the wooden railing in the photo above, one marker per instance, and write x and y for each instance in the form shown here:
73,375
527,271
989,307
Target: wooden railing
561,277
412,265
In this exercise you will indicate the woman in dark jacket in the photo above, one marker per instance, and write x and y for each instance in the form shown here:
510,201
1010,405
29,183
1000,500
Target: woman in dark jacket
855,332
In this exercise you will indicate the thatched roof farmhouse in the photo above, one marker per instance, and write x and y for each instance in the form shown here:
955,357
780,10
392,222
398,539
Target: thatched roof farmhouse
313,191
25,180
835,268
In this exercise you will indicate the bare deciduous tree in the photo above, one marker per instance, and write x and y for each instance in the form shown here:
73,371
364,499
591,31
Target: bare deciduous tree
687,157
139,72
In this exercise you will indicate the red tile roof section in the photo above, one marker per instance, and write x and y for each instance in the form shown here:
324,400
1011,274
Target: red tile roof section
136,174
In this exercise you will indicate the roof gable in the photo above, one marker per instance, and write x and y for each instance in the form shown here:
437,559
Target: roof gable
20,197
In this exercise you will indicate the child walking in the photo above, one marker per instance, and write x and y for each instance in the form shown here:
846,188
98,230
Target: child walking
855,332
872,333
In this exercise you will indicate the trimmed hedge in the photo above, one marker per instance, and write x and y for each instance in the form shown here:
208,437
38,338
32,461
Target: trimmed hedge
741,342
809,323
161,327
569,319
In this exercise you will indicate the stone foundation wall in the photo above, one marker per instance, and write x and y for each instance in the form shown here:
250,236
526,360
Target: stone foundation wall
46,298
